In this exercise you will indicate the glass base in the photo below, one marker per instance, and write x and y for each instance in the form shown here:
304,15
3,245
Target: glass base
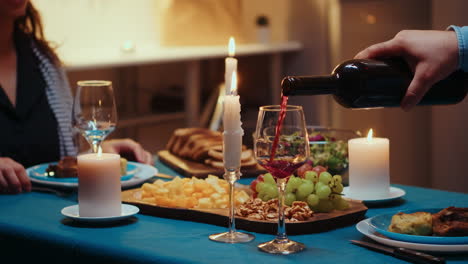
281,246
232,238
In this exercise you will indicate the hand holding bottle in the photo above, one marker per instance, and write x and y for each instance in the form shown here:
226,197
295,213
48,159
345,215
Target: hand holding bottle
431,55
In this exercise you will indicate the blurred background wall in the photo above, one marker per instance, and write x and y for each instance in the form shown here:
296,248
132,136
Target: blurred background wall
429,145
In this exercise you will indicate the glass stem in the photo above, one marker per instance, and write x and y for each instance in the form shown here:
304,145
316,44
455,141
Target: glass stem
231,177
96,145
281,235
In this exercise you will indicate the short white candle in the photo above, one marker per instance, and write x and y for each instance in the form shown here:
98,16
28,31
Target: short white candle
369,171
230,65
232,136
99,187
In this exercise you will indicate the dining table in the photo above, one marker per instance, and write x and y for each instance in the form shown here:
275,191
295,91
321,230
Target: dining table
32,229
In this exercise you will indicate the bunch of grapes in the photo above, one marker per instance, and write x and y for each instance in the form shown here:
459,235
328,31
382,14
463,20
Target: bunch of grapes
317,187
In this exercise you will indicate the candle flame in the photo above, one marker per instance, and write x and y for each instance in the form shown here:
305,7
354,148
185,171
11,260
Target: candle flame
234,83
369,135
99,152
232,47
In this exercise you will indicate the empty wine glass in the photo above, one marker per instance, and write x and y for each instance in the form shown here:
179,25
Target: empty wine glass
281,148
94,111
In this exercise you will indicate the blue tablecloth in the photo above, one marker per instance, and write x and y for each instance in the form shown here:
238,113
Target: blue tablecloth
31,227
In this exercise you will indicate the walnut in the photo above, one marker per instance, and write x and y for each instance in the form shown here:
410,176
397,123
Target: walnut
258,210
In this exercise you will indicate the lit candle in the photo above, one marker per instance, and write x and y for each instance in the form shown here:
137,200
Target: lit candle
99,185
232,136
230,65
369,170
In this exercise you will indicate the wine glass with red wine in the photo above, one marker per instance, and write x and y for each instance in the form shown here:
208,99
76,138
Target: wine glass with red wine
281,146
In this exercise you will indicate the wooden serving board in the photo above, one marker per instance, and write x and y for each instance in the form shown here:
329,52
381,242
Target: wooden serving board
320,222
190,168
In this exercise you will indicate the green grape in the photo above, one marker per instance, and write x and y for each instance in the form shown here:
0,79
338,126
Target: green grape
270,190
338,188
337,179
325,177
312,200
289,198
324,206
260,187
319,185
341,204
305,189
289,188
323,192
268,178
334,197
262,196
267,197
295,182
311,176
306,181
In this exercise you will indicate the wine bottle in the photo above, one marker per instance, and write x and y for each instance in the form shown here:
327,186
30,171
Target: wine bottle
373,83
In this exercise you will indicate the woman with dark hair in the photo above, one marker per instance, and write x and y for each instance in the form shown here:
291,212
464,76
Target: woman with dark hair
36,101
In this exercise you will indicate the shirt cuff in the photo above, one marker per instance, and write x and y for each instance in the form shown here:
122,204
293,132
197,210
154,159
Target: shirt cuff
462,37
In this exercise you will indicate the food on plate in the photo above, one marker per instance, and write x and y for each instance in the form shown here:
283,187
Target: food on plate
451,221
418,223
329,152
67,167
123,166
208,193
204,146
257,209
318,188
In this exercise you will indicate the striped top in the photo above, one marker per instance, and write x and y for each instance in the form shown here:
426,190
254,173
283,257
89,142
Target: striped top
60,99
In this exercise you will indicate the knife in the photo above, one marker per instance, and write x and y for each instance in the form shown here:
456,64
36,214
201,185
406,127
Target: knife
402,253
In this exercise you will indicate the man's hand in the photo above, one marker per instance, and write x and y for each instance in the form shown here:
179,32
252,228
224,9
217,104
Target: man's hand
432,56
129,149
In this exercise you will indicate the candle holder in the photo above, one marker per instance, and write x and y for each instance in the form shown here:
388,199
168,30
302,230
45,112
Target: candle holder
232,236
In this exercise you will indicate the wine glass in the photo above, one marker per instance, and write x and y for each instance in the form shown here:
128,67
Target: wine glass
281,148
94,111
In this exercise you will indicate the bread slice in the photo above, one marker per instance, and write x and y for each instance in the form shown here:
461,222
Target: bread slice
197,142
180,138
418,223
201,148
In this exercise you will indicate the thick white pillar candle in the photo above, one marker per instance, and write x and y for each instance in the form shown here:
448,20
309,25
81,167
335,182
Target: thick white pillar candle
99,185
369,171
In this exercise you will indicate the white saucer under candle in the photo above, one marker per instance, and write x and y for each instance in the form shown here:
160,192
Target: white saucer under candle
369,170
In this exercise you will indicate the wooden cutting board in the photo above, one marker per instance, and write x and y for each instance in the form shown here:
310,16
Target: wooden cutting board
320,222
190,168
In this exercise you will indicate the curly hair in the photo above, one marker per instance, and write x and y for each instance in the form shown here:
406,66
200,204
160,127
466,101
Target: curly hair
31,25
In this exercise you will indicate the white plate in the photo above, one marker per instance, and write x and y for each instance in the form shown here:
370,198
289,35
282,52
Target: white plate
73,212
143,173
393,194
364,228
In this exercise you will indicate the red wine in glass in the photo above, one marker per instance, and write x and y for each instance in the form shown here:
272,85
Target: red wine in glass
281,168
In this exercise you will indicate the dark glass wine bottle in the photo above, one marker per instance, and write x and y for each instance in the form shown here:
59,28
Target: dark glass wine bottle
372,83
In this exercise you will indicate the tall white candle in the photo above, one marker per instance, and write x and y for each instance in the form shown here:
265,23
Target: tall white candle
99,185
230,65
232,136
369,170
